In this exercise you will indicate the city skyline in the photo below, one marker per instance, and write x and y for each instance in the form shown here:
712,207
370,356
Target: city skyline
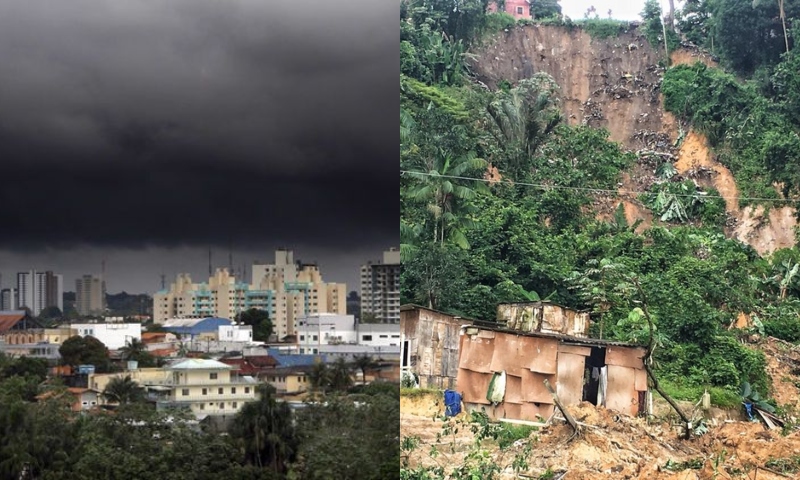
145,132
340,268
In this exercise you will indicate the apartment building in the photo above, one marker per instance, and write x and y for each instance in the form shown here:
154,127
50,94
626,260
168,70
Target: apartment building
39,290
380,288
286,289
206,387
90,295
8,299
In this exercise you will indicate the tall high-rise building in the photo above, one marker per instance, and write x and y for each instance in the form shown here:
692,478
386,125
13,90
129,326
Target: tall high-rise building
90,295
39,290
380,288
286,289
8,299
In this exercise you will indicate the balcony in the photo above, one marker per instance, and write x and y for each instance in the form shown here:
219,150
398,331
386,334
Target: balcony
213,396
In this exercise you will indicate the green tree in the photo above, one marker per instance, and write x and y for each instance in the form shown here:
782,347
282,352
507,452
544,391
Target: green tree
136,350
340,375
50,313
124,390
545,8
265,431
444,194
260,321
320,377
363,363
87,350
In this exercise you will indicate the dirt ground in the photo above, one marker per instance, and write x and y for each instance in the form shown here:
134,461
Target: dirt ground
615,84
615,446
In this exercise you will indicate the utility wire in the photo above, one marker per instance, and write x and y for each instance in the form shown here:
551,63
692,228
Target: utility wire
616,193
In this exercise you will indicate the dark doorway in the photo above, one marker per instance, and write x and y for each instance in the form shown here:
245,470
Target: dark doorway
591,374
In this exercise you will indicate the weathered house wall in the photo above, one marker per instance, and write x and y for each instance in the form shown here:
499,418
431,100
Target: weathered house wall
429,343
544,317
604,373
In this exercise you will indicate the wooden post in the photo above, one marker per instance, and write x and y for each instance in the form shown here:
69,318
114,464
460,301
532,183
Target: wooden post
561,407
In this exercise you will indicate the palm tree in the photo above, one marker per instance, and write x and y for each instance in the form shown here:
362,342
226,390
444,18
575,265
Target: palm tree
133,349
320,376
523,117
442,186
340,375
265,430
123,391
363,362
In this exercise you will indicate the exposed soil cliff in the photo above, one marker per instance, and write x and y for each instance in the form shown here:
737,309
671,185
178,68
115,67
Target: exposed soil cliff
614,84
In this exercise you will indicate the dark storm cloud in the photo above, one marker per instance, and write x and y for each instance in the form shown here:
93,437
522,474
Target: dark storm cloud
195,122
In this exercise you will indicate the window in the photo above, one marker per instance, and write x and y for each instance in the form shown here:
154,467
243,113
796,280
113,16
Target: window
314,338
212,376
202,406
219,390
246,389
519,10
205,391
302,337
235,405
384,336
366,338
185,392
233,390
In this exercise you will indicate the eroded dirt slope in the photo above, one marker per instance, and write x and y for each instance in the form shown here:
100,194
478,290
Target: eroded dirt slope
614,84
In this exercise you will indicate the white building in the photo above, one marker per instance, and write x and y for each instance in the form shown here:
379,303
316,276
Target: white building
325,329
39,290
206,388
235,333
379,334
113,335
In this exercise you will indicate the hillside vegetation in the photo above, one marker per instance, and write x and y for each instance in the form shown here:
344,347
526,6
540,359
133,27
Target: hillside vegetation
525,148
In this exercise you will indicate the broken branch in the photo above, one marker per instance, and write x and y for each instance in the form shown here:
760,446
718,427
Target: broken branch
646,359
561,407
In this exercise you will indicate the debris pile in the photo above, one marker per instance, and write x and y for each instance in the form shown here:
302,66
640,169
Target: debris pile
609,446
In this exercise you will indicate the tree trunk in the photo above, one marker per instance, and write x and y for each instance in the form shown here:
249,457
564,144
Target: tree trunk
686,420
783,22
672,15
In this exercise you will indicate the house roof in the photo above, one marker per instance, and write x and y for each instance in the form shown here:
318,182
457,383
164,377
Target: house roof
152,335
9,318
198,364
563,338
190,322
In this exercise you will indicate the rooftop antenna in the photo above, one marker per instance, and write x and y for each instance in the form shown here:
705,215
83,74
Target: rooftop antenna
163,281
210,273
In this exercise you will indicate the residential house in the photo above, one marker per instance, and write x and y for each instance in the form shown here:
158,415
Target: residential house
578,368
429,342
516,8
206,387
81,399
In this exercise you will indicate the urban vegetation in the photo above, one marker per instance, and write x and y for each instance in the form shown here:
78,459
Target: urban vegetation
345,433
469,243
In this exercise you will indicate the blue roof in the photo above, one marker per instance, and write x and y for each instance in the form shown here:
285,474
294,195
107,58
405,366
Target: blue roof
293,360
194,326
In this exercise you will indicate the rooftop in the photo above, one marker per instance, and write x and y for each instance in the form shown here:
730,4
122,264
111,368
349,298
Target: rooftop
198,364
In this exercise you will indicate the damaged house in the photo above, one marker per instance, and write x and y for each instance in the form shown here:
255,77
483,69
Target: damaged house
429,342
502,366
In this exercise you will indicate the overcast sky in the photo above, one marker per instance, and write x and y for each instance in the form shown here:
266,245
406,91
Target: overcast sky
620,9
144,132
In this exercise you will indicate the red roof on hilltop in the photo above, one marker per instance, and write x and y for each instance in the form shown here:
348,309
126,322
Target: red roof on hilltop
8,320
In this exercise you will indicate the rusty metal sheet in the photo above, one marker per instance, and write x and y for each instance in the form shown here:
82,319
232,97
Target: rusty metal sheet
476,354
553,319
513,389
533,389
509,410
576,349
473,385
621,396
540,354
533,412
570,378
640,380
630,357
508,355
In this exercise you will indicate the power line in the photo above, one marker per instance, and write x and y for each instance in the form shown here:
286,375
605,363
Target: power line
616,193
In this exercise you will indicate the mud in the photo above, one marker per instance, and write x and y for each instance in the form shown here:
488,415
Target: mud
615,84
610,446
